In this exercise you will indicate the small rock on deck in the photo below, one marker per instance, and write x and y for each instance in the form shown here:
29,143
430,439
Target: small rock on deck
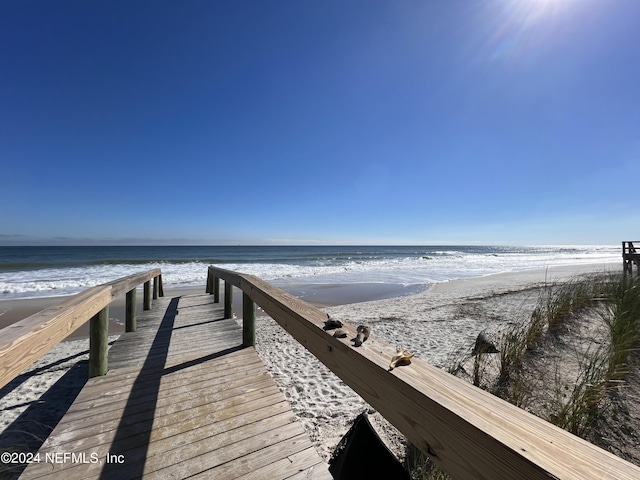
182,399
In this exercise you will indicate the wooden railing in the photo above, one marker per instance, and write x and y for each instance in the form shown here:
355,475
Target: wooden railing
627,247
630,256
468,432
25,341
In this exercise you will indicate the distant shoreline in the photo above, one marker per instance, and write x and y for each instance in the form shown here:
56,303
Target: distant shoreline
42,272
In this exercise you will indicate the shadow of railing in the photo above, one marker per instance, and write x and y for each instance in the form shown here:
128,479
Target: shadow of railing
133,442
147,383
30,430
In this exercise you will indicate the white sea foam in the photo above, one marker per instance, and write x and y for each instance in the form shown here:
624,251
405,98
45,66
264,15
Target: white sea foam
420,267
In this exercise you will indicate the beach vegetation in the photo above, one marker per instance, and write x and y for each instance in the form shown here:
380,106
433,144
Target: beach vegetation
577,407
559,301
421,467
513,344
569,361
577,403
622,317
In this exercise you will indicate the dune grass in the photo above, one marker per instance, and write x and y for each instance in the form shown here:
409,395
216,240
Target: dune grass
576,406
622,316
421,467
559,301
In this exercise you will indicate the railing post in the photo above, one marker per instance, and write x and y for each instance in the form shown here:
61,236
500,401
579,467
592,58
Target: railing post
156,287
98,343
216,290
248,321
228,299
208,288
130,312
146,298
161,287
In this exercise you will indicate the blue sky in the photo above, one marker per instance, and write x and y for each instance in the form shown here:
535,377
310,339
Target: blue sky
334,121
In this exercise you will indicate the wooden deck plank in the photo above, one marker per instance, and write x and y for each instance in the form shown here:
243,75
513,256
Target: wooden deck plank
265,464
246,451
257,464
169,425
165,408
317,472
104,396
231,362
167,450
181,397
166,454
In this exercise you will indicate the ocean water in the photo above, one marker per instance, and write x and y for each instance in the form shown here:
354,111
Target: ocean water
29,272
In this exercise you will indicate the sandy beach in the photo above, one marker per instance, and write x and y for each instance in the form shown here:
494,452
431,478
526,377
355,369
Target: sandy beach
439,324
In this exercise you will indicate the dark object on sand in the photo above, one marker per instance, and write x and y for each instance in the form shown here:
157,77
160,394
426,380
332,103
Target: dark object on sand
361,337
330,324
483,345
361,454
340,333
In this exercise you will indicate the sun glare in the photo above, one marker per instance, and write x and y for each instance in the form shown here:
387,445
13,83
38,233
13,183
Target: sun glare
545,7
520,29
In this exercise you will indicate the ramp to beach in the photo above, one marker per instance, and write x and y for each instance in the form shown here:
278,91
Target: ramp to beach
182,398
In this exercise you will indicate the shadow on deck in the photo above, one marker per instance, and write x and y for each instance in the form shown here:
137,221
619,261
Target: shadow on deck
182,398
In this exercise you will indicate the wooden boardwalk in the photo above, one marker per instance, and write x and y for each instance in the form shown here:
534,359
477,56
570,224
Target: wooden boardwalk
630,257
182,399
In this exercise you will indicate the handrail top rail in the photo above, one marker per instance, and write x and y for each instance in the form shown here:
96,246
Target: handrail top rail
628,247
124,284
52,312
229,275
26,340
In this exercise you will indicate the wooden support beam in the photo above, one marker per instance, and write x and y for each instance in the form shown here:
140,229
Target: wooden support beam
630,257
99,343
156,287
216,289
248,321
123,285
146,297
228,300
131,322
